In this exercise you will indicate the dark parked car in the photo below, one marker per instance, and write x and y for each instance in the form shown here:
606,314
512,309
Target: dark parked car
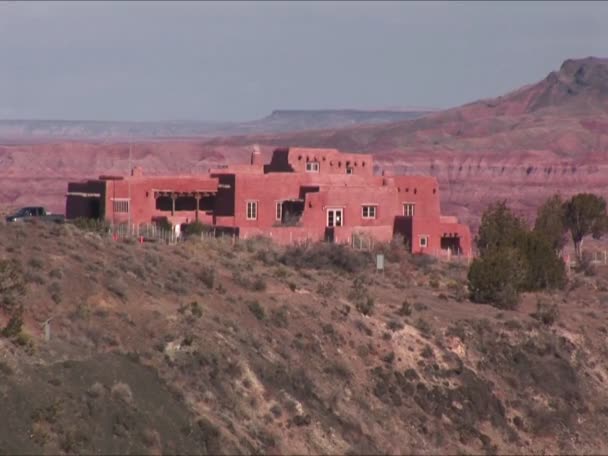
34,213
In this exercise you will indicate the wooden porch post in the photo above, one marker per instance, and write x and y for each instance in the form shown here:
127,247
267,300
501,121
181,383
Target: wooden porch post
173,198
197,197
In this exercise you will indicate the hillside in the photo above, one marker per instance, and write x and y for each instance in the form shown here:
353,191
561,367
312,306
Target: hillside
248,348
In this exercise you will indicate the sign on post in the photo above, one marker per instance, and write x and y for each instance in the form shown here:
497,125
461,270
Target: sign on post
380,262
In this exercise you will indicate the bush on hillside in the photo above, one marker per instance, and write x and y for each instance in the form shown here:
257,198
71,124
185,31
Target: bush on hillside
92,225
546,313
500,228
513,258
497,277
12,284
326,256
195,229
545,269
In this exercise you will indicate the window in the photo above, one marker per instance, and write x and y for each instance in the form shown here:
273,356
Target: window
334,217
369,212
408,209
424,241
252,210
120,205
279,211
349,170
312,167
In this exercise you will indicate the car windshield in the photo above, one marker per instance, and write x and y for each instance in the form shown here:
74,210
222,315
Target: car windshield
24,211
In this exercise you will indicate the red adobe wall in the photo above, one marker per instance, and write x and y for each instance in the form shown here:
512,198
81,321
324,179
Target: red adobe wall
423,191
143,203
286,178
331,161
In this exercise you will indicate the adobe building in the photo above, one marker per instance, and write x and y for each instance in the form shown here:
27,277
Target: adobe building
303,194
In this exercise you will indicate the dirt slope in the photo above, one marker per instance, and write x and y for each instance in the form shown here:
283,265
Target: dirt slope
246,348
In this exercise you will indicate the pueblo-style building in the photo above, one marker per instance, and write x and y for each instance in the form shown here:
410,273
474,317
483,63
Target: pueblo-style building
301,195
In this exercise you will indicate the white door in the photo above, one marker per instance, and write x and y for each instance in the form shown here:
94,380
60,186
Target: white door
334,217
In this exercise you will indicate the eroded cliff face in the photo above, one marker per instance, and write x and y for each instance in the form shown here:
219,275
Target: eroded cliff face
470,183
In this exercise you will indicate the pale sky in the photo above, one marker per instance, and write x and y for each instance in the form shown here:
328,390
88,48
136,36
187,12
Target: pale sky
239,61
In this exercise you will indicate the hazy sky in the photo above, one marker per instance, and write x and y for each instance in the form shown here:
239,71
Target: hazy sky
238,61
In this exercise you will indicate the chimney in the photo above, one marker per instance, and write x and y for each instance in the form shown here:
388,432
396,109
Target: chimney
256,155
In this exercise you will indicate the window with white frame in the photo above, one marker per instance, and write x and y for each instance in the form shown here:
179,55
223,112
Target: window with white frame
279,211
312,167
408,209
369,211
424,241
120,206
252,210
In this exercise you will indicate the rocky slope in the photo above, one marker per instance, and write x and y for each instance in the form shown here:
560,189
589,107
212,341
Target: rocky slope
210,347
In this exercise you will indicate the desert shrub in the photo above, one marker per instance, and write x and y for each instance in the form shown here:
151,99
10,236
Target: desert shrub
117,287
280,272
550,221
267,256
292,286
457,290
513,258
326,289
196,310
256,309
163,223
12,284
279,317
584,215
34,277
366,306
256,283
54,290
14,325
585,264
394,325
434,283
394,251
338,369
500,228
195,229
207,275
546,313
423,326
55,274
5,369
276,410
35,263
420,306
405,310
427,352
92,225
544,268
423,262
360,296
497,277
121,391
325,256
